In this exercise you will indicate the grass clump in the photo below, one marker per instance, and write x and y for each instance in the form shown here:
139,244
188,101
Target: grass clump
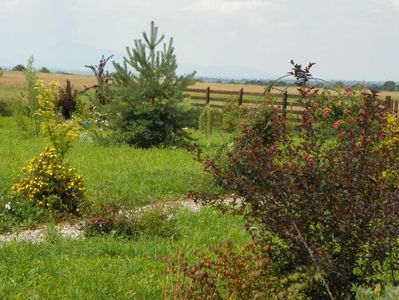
159,221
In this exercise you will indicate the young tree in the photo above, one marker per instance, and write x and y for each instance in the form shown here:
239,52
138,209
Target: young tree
154,69
146,113
104,78
30,90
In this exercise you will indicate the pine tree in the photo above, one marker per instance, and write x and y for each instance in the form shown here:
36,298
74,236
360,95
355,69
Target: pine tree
154,76
147,92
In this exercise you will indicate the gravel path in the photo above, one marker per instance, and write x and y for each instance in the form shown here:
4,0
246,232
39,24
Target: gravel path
74,231
38,235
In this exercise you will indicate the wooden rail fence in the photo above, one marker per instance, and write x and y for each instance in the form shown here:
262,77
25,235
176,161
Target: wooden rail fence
287,104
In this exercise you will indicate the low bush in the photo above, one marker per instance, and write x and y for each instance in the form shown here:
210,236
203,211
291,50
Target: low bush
6,109
231,274
148,125
232,116
117,220
16,212
49,183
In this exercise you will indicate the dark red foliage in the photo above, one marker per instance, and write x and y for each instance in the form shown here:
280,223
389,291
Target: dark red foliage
321,192
67,100
103,78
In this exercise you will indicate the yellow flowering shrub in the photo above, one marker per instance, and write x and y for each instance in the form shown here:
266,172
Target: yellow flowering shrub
389,144
52,184
58,132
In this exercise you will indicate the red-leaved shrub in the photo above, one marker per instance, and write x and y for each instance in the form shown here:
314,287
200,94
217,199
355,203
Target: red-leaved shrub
321,191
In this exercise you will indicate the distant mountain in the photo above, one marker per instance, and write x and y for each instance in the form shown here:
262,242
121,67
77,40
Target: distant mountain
72,56
62,56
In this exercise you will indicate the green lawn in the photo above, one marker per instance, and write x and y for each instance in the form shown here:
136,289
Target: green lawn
110,267
112,173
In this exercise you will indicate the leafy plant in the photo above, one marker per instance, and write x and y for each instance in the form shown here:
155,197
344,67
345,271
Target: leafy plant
324,195
229,274
146,126
232,115
31,93
67,100
6,108
103,78
51,184
16,212
58,133
151,222
209,120
378,292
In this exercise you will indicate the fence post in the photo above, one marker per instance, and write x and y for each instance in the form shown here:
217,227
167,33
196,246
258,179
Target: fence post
285,103
388,102
207,95
240,96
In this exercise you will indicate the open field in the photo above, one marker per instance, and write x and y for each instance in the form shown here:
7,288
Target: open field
259,89
12,81
15,79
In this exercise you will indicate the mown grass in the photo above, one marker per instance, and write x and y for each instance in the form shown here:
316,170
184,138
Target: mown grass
108,267
112,174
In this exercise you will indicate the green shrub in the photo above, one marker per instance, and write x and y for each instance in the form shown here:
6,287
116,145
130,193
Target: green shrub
148,125
260,122
157,221
232,116
378,292
16,212
6,109
51,184
56,131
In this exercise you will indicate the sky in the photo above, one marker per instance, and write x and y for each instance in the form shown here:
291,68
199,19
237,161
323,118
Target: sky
347,39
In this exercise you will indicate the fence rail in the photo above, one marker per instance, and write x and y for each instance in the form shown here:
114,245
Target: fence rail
287,106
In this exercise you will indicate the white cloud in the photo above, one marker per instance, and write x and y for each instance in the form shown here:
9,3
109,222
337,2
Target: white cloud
340,35
227,6
395,3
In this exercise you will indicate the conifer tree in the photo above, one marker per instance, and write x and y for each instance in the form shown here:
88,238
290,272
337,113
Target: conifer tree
154,67
147,92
